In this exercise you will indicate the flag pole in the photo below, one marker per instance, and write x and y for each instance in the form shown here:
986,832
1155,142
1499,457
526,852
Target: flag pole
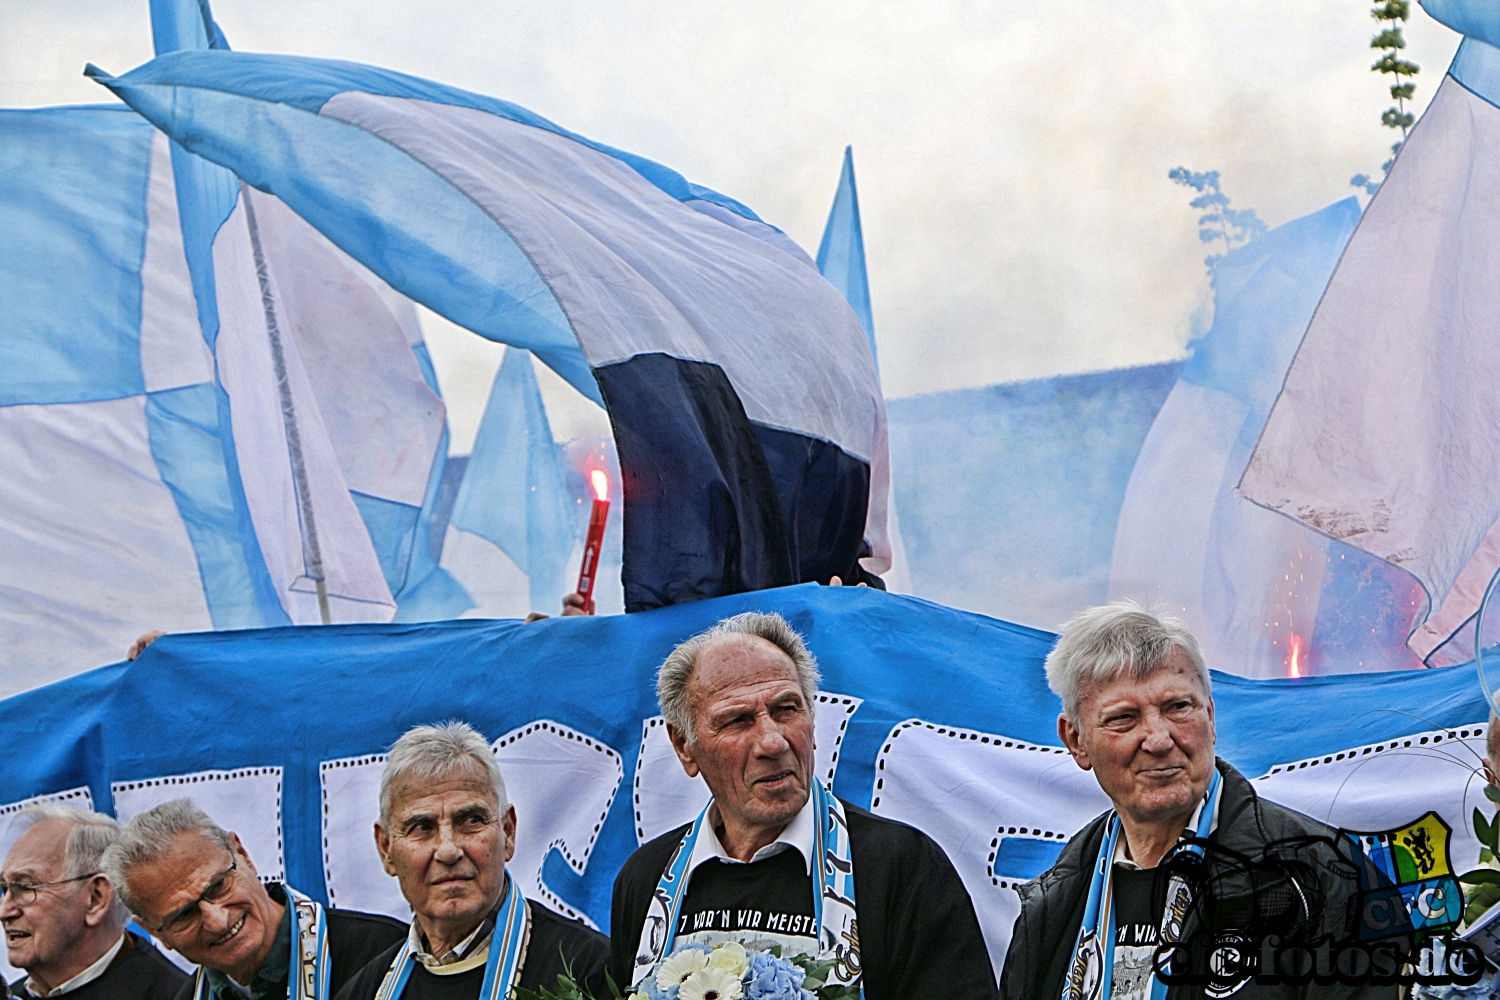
312,555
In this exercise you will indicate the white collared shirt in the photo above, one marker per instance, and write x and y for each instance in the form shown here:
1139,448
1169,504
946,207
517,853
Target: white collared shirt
85,977
798,835
477,937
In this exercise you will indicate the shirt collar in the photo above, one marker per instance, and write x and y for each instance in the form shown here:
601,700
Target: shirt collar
797,835
85,977
478,939
1187,831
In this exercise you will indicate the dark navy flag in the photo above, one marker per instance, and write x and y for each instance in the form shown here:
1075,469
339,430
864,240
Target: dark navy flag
747,414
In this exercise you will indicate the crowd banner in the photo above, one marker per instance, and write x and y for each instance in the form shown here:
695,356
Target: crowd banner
1384,434
927,715
726,360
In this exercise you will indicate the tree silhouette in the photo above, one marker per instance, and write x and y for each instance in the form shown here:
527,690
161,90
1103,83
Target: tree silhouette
1390,16
1232,227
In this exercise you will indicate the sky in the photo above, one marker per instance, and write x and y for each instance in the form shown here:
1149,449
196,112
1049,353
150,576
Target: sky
1012,157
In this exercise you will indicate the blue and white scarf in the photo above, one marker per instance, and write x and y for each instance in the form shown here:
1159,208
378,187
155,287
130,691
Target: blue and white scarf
502,968
307,977
1091,971
833,895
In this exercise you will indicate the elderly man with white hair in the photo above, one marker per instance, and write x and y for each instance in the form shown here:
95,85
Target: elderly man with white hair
192,884
1189,854
64,924
775,860
445,832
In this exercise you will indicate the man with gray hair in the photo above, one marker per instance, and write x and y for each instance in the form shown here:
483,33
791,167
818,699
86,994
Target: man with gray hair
1191,881
775,860
63,923
193,886
445,832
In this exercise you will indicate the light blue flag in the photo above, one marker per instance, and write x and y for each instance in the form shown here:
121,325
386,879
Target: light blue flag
841,255
515,524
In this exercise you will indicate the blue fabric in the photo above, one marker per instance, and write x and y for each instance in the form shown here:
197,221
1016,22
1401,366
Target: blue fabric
184,24
426,238
841,254
333,688
1475,18
301,82
73,215
183,425
1009,494
1476,65
514,493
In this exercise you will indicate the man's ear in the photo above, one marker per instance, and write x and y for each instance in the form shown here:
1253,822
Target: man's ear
1068,733
684,750
508,824
383,848
242,854
101,901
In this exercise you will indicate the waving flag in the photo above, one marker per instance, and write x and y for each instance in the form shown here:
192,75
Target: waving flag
747,414
514,523
1386,435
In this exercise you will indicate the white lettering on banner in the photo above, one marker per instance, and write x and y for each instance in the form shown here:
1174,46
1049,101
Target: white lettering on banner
245,801
666,798
561,782
73,798
999,808
1384,786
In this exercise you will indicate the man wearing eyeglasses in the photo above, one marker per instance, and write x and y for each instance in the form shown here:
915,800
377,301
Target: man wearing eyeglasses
193,886
64,924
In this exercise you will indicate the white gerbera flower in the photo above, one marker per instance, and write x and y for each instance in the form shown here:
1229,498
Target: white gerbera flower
675,970
711,984
731,957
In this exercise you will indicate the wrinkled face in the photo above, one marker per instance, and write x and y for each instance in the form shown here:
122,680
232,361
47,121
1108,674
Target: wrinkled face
447,842
1150,742
231,933
42,933
754,729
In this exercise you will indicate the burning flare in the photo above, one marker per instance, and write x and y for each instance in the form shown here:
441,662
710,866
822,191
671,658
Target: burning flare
1294,657
601,484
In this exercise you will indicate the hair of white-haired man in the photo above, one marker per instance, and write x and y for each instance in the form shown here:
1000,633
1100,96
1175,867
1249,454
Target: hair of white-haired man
1119,639
149,835
91,835
428,753
672,679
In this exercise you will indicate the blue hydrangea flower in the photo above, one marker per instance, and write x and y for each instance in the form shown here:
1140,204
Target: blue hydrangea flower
772,978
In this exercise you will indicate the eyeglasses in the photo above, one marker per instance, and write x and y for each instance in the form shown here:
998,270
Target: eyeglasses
186,919
24,893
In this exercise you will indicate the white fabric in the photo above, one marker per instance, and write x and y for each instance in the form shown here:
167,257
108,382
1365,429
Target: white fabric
173,353
382,419
246,801
85,977
109,557
498,587
1387,433
636,271
357,590
560,781
797,836
666,798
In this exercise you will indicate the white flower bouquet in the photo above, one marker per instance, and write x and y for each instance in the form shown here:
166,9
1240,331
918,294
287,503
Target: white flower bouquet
723,972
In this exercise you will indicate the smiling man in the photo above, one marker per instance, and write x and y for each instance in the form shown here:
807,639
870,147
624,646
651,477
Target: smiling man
445,832
192,885
775,859
64,924
1189,847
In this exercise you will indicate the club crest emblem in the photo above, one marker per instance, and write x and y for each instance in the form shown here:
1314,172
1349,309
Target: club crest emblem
1415,859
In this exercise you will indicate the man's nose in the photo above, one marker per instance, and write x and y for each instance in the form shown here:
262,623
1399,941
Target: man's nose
769,739
214,918
9,909
1158,736
448,852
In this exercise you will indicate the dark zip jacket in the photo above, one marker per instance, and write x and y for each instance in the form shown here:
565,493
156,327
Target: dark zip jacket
1271,871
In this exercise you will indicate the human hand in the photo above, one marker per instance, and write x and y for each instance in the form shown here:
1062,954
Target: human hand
574,604
139,646
834,581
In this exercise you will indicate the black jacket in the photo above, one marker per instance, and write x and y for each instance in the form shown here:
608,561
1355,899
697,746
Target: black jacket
918,935
138,972
1052,905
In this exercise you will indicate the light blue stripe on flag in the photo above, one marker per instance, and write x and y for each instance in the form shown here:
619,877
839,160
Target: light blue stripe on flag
841,255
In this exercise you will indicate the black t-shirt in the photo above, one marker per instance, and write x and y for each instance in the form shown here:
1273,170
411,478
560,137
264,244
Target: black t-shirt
764,903
138,972
1138,912
918,935
554,941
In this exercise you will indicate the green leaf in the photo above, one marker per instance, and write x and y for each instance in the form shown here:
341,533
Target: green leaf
1481,827
1492,793
1481,876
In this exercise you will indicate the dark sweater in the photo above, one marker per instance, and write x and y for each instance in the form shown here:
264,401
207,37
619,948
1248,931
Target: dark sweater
353,939
554,940
138,972
918,935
